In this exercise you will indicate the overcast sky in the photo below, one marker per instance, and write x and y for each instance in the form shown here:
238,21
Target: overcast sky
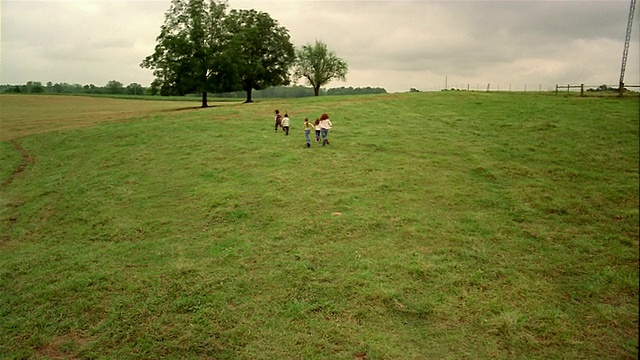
395,44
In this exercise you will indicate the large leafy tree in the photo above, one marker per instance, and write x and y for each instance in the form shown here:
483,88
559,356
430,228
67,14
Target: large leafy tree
318,65
261,50
190,55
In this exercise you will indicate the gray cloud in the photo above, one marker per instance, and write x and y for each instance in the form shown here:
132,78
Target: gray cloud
504,42
391,44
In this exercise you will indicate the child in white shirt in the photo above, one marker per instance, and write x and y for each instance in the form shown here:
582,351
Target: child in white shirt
325,125
285,124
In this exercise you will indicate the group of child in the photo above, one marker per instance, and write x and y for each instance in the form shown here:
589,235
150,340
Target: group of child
322,125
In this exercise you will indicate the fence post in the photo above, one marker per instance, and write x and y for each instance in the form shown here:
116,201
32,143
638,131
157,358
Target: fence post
581,89
568,88
556,89
489,84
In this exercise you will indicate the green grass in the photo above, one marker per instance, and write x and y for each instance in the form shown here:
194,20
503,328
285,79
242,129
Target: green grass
447,225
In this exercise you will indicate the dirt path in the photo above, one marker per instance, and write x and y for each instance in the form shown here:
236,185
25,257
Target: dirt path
26,159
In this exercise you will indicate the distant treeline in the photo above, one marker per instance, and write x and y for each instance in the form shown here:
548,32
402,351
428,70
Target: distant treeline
302,91
605,88
117,88
112,87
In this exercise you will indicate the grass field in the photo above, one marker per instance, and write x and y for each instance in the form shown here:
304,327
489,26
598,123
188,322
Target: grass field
449,225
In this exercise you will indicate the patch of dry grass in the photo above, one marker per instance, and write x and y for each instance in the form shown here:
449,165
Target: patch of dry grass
24,115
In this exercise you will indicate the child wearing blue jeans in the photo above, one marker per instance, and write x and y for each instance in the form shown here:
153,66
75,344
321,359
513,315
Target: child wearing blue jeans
325,126
307,126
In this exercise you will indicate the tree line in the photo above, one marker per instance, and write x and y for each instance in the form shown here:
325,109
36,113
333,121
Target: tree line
297,91
112,87
115,87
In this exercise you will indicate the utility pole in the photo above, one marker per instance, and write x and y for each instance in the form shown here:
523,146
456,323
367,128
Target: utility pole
625,53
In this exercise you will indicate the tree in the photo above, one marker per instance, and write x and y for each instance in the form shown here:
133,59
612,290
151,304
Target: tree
92,89
114,87
318,65
135,89
190,54
35,87
261,50
59,88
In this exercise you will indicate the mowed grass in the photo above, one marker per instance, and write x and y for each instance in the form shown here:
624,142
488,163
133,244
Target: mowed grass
28,115
449,225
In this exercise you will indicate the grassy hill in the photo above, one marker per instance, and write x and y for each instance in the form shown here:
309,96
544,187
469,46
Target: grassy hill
448,225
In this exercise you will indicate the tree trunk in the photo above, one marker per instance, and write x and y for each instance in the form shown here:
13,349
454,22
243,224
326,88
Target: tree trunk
249,100
204,100
316,90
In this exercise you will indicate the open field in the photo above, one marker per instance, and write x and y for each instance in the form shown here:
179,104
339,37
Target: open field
28,115
450,225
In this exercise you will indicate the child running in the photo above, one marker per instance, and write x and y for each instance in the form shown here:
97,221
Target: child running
316,124
325,126
285,124
307,126
278,119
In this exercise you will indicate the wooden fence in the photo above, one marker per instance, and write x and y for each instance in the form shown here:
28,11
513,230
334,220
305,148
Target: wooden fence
581,87
569,87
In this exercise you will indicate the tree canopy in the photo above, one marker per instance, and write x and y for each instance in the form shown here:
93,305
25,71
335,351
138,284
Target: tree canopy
189,55
203,48
318,65
261,50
